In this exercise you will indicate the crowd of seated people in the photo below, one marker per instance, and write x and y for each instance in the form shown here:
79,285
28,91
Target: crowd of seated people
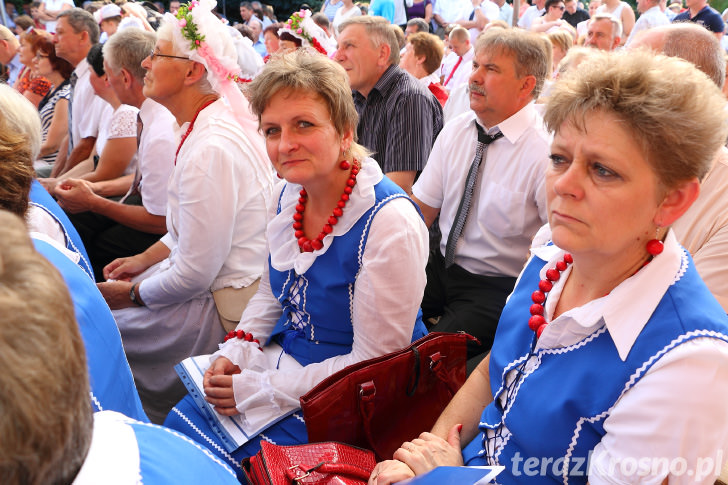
263,194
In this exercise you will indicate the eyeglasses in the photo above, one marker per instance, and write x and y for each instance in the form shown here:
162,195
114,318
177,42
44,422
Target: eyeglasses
40,56
154,54
561,7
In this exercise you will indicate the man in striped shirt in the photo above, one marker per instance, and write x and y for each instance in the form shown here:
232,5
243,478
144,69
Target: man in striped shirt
399,118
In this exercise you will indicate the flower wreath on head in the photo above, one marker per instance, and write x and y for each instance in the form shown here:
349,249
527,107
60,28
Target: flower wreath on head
203,38
302,26
189,29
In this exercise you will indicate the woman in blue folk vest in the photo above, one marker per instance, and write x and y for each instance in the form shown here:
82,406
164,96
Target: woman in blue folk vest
347,252
610,363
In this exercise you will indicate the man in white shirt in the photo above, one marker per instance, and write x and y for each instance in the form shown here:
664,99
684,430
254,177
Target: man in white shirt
458,64
76,32
484,12
111,229
9,57
651,16
447,12
472,273
531,13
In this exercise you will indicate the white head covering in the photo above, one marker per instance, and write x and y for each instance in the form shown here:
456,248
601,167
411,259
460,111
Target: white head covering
301,26
249,60
202,37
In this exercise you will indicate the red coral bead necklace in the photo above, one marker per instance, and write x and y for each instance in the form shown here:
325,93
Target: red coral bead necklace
309,245
537,322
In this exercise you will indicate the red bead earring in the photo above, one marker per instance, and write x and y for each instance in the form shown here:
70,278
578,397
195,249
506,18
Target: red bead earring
655,246
344,165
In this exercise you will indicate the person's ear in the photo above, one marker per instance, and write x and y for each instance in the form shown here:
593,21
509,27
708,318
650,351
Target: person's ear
677,202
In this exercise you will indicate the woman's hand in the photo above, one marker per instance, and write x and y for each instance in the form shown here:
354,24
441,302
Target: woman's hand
390,471
116,294
218,385
75,195
430,451
125,269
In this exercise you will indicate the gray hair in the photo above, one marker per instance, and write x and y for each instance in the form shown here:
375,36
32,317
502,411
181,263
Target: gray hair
531,57
616,23
379,31
80,20
420,23
127,49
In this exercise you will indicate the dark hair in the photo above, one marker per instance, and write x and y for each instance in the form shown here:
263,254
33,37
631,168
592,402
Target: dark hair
60,65
95,58
420,23
273,29
551,3
291,38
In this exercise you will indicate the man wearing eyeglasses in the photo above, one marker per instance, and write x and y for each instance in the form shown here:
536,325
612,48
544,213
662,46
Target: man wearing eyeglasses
110,229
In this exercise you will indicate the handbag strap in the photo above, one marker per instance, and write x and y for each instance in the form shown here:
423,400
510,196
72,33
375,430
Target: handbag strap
297,473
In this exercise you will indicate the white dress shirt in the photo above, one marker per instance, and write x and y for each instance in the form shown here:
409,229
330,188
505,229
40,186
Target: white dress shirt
649,20
155,156
491,11
529,16
387,295
452,10
509,199
88,109
463,71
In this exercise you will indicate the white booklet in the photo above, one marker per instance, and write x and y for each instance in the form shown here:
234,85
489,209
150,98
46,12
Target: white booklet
233,431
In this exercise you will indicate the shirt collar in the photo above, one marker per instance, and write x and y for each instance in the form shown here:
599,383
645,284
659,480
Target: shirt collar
82,68
387,81
513,127
624,315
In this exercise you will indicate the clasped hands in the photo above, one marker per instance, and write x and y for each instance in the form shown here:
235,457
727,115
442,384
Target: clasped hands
218,385
419,456
75,195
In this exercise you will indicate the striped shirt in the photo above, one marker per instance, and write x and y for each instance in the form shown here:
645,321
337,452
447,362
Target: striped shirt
399,121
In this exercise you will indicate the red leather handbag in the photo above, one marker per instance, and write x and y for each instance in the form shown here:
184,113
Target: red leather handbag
318,463
382,402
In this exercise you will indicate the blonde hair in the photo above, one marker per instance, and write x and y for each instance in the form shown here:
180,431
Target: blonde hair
669,107
311,73
561,38
46,421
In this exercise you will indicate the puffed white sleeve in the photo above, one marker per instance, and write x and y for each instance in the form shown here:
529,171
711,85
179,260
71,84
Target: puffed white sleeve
388,293
672,423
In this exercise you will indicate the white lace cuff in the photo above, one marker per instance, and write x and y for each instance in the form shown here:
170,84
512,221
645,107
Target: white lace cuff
257,401
245,355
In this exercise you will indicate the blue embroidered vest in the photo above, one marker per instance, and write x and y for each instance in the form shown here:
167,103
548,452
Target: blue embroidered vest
559,408
317,306
39,197
112,385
